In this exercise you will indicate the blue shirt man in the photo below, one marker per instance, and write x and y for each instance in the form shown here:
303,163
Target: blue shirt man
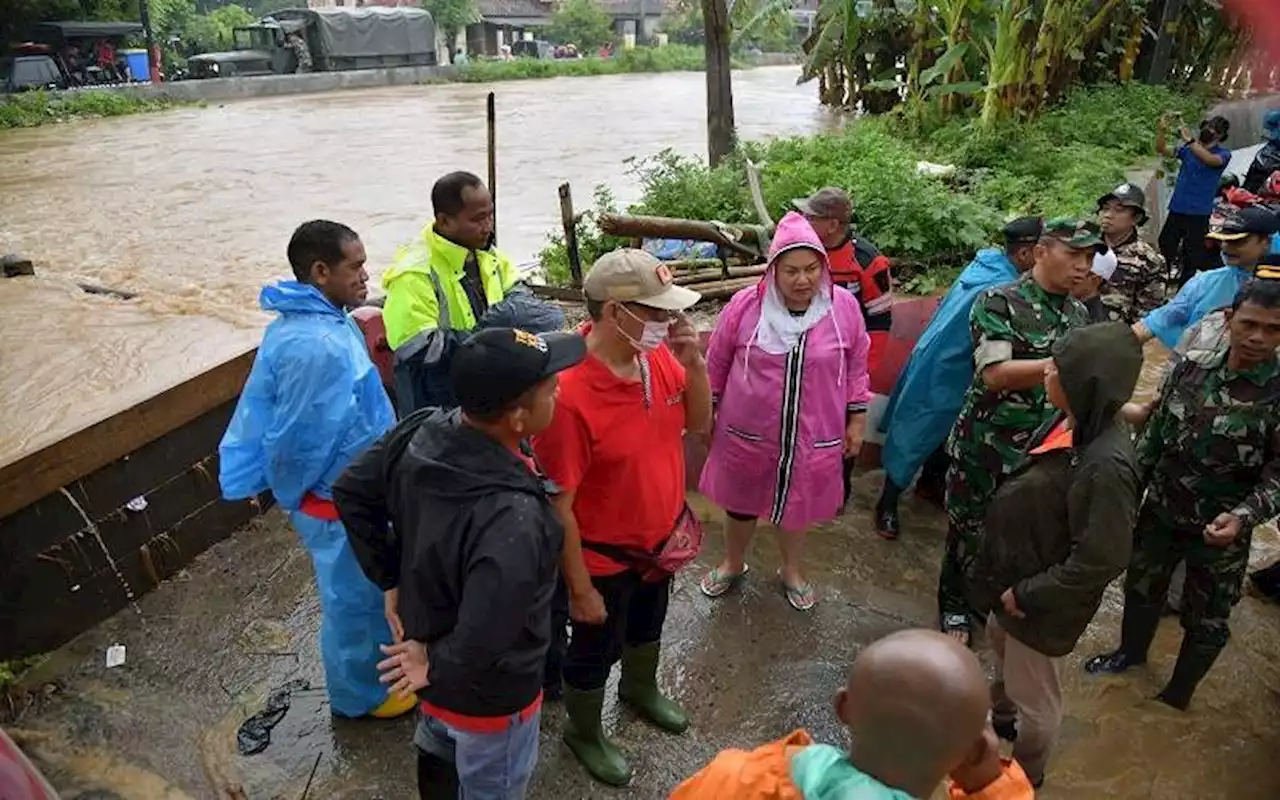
1246,238
1203,160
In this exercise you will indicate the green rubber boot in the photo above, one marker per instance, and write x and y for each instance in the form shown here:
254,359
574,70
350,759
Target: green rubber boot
586,738
639,689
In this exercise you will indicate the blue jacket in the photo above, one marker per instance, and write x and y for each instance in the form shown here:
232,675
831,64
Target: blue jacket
930,391
1207,291
312,403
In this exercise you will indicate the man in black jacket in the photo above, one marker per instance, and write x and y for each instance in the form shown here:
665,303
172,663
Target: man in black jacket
450,515
1058,531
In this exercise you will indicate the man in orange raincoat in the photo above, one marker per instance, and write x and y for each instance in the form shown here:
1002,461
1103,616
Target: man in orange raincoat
916,706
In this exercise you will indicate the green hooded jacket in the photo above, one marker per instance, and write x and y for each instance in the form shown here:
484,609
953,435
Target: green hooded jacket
1060,528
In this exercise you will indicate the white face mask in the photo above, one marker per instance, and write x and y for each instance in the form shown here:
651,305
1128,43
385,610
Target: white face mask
655,333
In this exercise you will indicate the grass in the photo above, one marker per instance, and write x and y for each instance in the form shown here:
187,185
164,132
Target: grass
32,109
1058,164
669,58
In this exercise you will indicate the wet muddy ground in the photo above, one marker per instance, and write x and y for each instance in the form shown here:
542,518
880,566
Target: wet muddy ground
204,650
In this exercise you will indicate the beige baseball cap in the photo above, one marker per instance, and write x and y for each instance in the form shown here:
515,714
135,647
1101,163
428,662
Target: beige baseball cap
634,276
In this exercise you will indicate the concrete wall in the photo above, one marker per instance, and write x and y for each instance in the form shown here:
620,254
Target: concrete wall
218,89
1245,117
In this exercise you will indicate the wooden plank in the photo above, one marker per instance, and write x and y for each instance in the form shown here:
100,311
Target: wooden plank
27,480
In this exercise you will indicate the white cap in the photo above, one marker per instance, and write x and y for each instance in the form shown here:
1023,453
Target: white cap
1104,264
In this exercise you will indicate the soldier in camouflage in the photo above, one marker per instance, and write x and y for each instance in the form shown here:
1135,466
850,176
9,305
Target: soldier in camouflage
1210,457
1013,328
1139,283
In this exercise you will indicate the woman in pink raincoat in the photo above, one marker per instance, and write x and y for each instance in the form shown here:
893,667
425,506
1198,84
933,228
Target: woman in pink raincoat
788,369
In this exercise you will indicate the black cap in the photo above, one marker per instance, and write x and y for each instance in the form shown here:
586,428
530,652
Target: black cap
492,368
1024,230
1248,221
1128,195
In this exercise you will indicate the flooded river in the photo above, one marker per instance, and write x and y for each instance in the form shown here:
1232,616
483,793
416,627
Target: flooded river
192,209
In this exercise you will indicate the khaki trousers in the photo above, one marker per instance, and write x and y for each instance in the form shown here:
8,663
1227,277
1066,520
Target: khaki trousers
1027,688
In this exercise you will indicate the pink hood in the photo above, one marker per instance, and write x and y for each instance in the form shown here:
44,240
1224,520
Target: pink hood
795,231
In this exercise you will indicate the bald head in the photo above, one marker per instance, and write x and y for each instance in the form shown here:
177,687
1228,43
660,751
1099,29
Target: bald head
915,704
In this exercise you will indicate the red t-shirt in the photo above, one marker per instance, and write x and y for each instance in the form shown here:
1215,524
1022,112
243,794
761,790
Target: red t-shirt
624,461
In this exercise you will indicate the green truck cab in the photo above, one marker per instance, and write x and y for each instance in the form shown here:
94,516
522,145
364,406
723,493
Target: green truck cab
337,38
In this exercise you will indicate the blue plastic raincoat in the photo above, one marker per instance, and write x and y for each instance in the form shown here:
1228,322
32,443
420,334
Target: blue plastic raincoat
1207,291
930,390
314,401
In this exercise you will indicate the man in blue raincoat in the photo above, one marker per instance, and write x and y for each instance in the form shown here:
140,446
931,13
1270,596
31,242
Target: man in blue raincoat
1246,237
930,390
312,403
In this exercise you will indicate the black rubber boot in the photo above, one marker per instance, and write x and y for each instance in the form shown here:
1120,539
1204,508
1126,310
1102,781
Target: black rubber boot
1194,661
437,778
1137,630
887,525
585,737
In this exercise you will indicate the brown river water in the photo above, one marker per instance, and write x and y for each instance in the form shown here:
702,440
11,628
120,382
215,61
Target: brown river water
192,209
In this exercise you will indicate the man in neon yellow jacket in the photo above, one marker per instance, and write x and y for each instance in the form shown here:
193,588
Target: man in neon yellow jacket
439,286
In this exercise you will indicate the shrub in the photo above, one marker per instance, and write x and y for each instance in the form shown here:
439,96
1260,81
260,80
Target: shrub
31,109
671,58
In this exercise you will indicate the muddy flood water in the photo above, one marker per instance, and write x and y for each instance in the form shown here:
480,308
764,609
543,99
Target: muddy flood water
205,649
192,209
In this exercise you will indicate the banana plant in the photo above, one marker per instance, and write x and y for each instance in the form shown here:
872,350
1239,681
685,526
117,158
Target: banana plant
1006,57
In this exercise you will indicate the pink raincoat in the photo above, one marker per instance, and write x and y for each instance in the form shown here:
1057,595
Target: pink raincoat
777,446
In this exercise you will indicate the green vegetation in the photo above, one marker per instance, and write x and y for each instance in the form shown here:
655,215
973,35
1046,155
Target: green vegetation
31,109
583,23
1059,163
671,58
1004,58
451,16
765,24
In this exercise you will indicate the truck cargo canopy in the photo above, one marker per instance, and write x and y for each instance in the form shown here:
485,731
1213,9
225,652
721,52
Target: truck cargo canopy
369,31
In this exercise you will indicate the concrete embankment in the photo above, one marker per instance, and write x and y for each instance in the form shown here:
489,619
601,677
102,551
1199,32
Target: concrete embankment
224,89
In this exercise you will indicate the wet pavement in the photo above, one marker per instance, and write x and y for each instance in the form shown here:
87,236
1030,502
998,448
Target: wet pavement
205,650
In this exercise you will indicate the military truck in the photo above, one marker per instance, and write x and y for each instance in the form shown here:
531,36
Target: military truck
337,39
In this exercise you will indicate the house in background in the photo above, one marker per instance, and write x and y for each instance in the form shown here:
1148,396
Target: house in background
503,22
506,21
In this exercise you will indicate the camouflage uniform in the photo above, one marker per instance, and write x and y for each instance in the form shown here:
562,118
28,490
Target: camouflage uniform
1019,320
1212,445
1138,285
303,53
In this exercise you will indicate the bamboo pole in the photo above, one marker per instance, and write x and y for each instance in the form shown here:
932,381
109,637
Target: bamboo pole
570,223
491,114
712,275
729,236
720,290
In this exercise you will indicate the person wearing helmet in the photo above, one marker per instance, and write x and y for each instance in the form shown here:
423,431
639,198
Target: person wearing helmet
1267,162
1138,284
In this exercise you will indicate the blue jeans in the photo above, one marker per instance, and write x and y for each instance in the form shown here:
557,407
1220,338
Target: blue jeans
491,766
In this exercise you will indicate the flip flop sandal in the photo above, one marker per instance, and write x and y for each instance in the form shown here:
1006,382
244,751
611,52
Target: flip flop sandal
958,623
716,583
801,598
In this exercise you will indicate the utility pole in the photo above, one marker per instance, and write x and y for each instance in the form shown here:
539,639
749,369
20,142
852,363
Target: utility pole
720,127
1159,72
153,53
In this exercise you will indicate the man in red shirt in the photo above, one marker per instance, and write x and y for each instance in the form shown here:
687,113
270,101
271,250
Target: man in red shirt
615,448
856,265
